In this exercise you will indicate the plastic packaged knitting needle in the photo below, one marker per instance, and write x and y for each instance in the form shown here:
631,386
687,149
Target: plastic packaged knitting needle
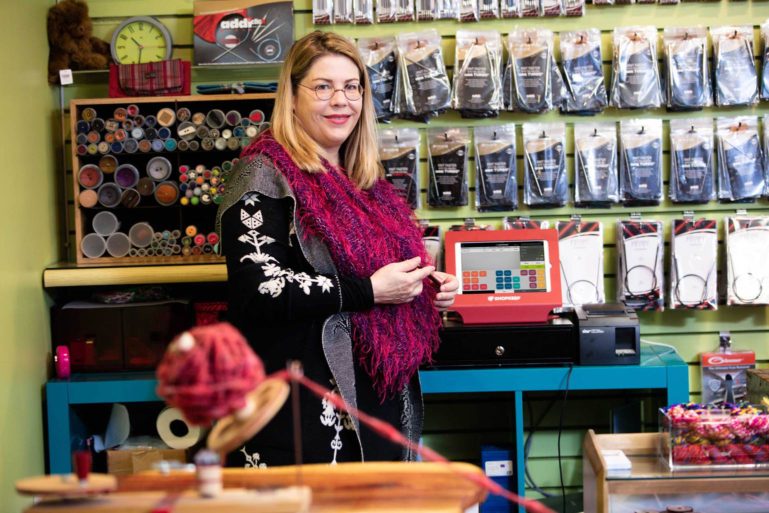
495,167
595,164
640,280
635,74
574,7
691,160
322,12
447,9
380,56
740,160
399,155
640,162
550,8
765,53
447,150
468,10
489,9
544,156
530,54
477,91
404,11
736,82
686,67
529,8
426,10
386,11
363,11
343,11
747,244
426,90
693,250
583,72
580,247
524,223
765,125
510,9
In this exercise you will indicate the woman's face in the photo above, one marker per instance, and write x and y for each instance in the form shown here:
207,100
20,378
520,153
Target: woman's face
329,122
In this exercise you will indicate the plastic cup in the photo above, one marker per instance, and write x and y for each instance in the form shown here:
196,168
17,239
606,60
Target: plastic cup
109,195
90,176
105,223
140,235
126,176
118,245
93,245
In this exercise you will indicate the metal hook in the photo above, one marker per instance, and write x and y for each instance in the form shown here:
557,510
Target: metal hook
494,137
643,129
446,136
595,132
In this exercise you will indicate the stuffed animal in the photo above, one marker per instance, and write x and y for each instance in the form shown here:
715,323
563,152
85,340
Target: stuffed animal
70,41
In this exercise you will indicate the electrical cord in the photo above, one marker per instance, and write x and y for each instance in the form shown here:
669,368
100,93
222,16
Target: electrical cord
527,447
560,431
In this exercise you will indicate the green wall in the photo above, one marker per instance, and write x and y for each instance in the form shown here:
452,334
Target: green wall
29,227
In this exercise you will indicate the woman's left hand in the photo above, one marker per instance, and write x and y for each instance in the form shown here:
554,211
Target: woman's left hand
446,291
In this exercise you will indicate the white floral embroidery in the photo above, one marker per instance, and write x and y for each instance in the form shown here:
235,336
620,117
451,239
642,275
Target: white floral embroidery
279,276
252,460
332,418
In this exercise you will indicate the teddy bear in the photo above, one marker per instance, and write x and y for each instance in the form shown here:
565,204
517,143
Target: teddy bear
71,45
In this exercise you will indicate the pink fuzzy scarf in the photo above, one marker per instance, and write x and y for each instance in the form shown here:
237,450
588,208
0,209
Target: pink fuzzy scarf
363,231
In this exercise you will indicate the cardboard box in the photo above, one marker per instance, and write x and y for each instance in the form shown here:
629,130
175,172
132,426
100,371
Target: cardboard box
131,461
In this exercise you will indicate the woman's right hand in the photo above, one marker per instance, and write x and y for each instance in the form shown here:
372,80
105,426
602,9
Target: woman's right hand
399,282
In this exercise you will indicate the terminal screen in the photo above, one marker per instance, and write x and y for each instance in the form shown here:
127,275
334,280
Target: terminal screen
502,266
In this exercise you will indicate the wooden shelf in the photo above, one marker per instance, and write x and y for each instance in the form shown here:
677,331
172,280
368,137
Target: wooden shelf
72,275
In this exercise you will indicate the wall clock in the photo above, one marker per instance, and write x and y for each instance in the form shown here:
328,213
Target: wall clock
141,39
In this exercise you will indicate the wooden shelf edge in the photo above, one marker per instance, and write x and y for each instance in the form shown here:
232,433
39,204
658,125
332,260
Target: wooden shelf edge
136,275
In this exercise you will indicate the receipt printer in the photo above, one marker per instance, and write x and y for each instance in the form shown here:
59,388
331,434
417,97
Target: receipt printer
608,335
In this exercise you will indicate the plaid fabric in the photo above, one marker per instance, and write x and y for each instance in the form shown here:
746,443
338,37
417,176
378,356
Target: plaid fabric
153,78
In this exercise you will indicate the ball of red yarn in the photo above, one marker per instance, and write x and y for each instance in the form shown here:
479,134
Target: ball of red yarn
208,379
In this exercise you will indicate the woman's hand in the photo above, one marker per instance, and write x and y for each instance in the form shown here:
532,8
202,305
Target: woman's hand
447,289
399,282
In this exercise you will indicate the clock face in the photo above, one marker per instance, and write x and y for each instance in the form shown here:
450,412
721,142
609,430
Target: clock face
141,39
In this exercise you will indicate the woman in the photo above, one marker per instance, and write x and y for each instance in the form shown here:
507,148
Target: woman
326,264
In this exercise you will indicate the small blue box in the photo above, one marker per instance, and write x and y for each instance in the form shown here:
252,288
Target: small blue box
497,463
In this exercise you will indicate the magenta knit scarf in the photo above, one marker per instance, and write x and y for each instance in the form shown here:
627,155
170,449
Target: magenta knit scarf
363,231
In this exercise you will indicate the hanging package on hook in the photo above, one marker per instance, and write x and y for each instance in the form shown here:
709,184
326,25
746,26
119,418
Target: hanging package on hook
580,247
529,8
468,11
386,11
550,8
423,87
640,253
477,91
343,12
765,53
595,164
495,166
740,161
583,72
426,10
381,60
489,10
363,12
322,12
635,74
524,223
694,250
447,9
544,155
574,7
510,9
736,82
399,155
724,373
747,244
447,150
686,59
691,160
640,166
531,63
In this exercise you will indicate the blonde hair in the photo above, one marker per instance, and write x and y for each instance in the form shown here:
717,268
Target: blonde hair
360,155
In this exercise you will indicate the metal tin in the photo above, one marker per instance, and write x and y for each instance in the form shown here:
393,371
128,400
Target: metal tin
146,186
150,121
93,137
92,149
166,193
128,124
226,133
81,139
256,116
194,145
186,130
111,125
137,133
157,145
82,127
183,145
166,117
103,147
109,195
130,198
233,143
116,147
126,176
132,110
207,144
121,134
220,143
159,168
90,176
215,118
164,132
150,133
145,146
88,198
108,164
130,145
198,118
233,118
88,114
183,114
170,144
97,124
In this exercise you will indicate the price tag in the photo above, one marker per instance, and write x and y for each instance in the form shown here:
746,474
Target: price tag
65,77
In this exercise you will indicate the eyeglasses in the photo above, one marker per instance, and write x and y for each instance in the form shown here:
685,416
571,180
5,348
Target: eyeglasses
325,92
